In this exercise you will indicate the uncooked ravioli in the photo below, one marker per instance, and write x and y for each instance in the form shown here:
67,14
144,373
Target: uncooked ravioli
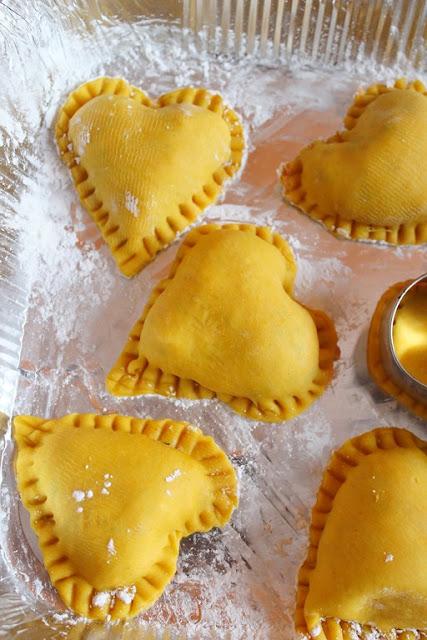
110,498
225,324
369,182
364,575
146,169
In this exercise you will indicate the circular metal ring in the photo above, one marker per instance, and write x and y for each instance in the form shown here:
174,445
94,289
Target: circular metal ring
397,372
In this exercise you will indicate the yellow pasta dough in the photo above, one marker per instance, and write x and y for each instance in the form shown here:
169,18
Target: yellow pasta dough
110,498
365,567
369,182
224,323
144,170
410,343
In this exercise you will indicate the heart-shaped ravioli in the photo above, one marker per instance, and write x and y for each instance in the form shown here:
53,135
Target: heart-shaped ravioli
369,182
364,576
145,170
225,324
110,498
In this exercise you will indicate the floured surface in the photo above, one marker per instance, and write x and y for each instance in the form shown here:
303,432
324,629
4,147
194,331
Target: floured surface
239,581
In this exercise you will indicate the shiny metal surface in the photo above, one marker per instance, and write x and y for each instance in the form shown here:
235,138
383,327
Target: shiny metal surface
391,362
65,311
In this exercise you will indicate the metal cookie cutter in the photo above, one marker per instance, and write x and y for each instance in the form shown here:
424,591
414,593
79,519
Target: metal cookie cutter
390,360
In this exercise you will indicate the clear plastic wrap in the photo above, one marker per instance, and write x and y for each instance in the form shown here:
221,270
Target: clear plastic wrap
65,310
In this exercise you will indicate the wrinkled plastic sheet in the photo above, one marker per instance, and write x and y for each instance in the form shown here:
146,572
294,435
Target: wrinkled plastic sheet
65,311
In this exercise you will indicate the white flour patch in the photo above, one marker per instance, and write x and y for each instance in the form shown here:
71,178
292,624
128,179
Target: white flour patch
187,109
100,599
174,475
111,548
125,594
131,204
83,141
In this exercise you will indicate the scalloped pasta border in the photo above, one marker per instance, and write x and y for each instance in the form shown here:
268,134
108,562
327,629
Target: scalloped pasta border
75,591
291,182
129,376
186,213
341,462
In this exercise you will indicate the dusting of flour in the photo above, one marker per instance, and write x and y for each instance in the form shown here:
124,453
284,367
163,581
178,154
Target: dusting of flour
238,582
